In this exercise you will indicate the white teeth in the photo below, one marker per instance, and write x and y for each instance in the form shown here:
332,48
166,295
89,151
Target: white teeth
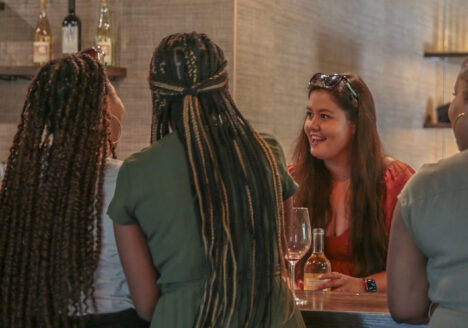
314,138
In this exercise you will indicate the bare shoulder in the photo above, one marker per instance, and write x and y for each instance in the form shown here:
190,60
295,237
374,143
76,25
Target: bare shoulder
388,160
396,170
396,165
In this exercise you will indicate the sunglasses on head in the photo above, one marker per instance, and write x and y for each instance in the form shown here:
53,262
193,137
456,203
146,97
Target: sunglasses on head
330,81
96,52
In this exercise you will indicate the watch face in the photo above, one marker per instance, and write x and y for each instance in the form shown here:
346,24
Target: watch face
371,286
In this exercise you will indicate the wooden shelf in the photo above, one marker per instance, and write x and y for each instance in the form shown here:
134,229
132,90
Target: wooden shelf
10,73
454,57
430,125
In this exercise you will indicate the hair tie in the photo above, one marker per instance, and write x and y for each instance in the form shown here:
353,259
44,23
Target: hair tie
190,91
213,83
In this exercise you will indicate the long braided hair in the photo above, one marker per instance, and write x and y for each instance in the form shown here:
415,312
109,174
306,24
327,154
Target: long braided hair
51,198
239,196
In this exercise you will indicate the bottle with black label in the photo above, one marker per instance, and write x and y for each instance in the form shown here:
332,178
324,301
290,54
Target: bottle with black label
71,31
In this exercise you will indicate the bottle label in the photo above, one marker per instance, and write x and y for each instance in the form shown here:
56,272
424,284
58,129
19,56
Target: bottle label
311,281
41,52
106,46
69,40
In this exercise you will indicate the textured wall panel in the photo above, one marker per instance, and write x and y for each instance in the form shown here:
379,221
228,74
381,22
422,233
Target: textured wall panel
281,43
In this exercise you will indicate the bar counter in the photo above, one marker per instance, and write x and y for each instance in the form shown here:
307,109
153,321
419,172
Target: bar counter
350,310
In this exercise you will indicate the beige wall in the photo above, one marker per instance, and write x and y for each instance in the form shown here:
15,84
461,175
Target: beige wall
273,47
282,43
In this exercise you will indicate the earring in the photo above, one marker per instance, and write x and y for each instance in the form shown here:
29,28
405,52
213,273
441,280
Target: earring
120,128
458,117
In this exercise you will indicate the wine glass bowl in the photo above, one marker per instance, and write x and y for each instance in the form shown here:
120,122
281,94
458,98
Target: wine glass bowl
298,240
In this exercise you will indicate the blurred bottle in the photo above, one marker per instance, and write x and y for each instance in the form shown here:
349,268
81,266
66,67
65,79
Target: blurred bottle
104,35
71,31
42,38
317,262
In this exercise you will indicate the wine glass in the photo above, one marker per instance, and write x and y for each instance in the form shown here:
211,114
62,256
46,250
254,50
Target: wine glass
298,241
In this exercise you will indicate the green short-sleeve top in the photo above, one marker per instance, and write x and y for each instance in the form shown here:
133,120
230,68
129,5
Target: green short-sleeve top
153,190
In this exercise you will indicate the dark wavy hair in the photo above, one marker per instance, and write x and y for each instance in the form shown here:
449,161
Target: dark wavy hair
51,198
369,239
234,176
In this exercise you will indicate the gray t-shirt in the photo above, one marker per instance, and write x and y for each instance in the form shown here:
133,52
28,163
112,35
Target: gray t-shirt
435,210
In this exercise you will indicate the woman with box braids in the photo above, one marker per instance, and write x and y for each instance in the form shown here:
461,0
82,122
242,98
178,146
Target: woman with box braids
237,184
52,196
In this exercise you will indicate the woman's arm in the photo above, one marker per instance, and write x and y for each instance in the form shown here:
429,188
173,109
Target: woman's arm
344,283
407,277
138,267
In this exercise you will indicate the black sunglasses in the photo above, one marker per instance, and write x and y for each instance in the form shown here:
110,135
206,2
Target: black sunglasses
331,81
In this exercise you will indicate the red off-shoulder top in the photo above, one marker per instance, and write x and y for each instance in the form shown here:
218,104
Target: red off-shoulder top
338,250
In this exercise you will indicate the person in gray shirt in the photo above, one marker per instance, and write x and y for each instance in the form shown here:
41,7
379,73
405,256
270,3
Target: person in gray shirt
428,254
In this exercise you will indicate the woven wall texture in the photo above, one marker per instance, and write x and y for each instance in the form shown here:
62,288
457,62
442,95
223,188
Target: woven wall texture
273,47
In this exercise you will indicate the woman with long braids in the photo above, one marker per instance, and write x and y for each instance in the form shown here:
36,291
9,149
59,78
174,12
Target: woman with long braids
346,182
199,213
58,259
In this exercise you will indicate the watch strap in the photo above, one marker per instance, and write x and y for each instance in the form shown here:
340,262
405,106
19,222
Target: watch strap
370,285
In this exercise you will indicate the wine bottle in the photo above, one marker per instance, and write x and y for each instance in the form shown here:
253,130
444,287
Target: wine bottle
317,262
104,35
71,31
42,38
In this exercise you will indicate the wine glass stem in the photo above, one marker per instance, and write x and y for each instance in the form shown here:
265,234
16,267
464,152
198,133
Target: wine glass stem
293,276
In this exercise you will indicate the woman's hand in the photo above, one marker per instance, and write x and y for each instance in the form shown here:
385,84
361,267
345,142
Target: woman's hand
341,283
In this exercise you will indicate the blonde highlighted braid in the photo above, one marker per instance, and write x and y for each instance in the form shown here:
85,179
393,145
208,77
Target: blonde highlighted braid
235,177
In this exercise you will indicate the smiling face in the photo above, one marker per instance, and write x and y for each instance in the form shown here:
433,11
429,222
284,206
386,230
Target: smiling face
327,128
458,106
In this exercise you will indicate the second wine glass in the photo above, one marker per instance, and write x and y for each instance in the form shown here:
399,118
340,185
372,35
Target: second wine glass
298,240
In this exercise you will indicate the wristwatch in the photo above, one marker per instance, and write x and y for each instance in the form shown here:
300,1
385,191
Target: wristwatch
370,284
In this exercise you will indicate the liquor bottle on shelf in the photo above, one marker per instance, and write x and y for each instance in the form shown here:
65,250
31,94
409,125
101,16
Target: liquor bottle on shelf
42,38
317,262
71,31
104,34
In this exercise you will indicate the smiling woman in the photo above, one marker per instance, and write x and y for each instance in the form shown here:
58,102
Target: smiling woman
346,182
327,128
